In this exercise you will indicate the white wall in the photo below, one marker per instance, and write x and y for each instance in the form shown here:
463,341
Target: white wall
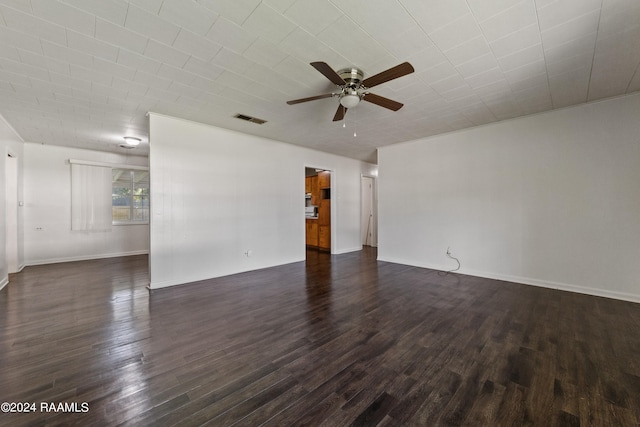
550,200
10,143
216,194
47,192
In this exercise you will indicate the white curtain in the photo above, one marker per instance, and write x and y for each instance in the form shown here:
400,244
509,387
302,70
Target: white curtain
90,198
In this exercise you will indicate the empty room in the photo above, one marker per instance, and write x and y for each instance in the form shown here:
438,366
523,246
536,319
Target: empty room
332,212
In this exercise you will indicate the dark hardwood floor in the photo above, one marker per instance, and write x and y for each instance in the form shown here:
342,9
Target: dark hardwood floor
337,341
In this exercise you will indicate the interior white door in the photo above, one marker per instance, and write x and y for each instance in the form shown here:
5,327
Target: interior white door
367,220
11,203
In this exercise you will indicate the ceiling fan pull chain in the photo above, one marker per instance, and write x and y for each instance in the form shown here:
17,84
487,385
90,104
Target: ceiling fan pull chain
355,127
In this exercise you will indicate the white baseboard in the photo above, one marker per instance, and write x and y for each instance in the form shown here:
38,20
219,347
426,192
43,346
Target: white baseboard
4,282
606,293
185,280
20,268
168,283
85,257
347,250
528,281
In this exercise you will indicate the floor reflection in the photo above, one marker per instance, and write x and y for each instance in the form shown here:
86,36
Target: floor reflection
318,286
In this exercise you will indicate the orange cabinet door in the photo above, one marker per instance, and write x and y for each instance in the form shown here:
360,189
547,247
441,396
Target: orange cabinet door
315,191
324,237
324,213
312,232
324,179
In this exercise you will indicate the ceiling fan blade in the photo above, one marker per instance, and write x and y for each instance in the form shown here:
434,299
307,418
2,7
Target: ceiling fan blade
311,98
328,72
392,73
340,112
382,101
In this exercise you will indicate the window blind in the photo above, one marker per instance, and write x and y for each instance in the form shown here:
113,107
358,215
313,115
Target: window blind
90,197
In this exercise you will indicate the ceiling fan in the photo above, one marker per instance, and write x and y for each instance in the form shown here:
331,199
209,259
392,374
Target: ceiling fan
354,89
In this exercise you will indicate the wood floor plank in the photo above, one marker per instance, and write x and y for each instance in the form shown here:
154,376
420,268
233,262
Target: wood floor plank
336,340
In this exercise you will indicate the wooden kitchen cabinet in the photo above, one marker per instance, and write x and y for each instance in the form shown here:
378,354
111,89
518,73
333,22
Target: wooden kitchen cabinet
312,232
324,179
324,212
324,237
315,190
324,224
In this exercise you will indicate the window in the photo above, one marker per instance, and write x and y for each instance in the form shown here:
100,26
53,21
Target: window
130,196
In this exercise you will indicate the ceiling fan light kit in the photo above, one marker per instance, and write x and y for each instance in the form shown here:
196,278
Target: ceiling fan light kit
354,88
350,100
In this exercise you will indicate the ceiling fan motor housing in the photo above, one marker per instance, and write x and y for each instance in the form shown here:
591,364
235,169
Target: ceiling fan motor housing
352,76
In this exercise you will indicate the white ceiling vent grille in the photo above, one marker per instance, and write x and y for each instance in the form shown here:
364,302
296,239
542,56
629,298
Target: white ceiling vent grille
249,119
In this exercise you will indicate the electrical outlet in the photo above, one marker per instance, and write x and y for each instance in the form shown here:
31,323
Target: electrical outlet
448,251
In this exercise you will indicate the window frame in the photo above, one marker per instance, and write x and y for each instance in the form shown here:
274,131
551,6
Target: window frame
131,197
72,161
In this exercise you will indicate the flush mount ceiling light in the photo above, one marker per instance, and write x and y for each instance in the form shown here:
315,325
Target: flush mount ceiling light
132,140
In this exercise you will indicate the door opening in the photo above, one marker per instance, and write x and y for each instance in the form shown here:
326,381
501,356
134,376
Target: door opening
11,203
318,209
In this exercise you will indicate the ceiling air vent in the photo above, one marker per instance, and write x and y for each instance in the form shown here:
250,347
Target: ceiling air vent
250,119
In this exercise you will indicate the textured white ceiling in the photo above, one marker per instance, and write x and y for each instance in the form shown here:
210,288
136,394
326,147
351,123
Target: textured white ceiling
83,73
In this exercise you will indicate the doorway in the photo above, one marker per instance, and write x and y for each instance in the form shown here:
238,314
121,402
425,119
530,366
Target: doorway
11,204
368,224
318,211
